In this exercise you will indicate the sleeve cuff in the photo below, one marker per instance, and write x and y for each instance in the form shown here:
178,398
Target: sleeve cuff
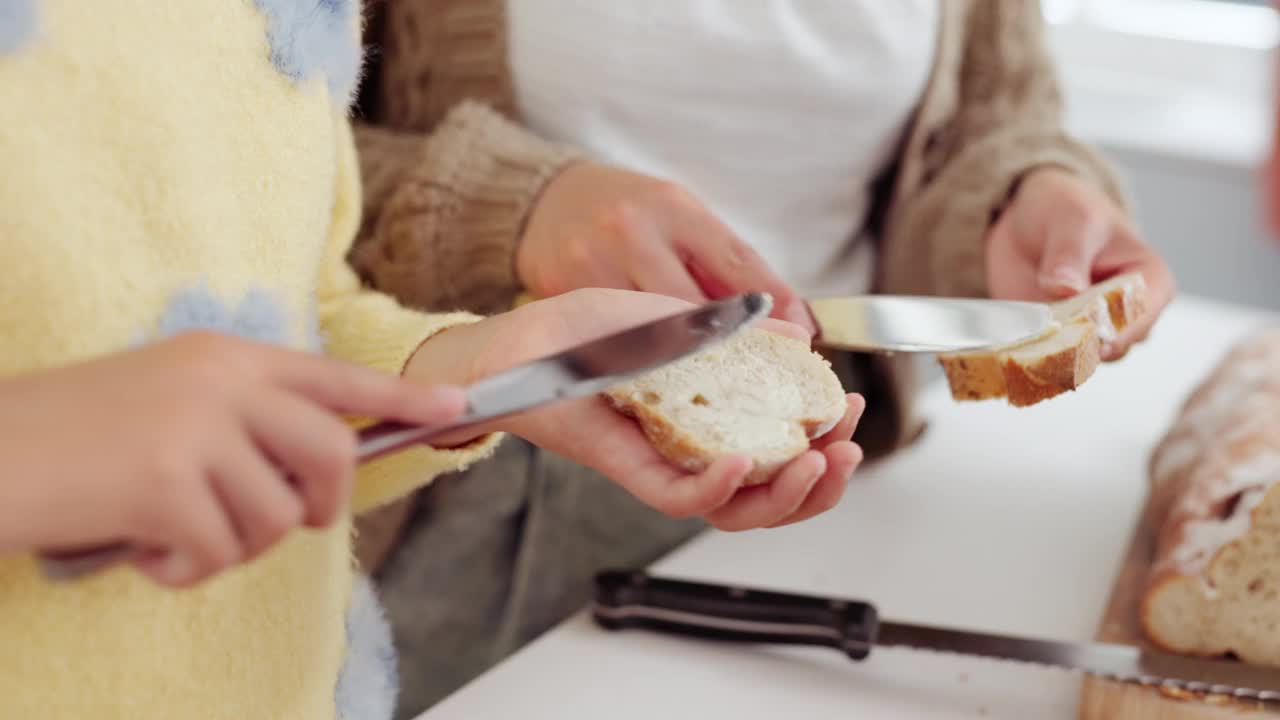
389,478
386,341
446,237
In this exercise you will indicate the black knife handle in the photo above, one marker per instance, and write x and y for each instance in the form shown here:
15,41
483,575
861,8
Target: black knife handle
631,600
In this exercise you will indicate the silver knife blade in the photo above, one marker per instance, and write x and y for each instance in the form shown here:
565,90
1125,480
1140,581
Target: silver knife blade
584,370
918,324
634,599
589,368
1123,663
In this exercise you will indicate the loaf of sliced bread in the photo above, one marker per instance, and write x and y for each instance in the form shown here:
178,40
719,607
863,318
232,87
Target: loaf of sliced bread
758,394
1214,584
1056,362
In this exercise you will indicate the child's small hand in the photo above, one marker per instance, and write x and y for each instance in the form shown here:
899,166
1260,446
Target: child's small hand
205,450
593,434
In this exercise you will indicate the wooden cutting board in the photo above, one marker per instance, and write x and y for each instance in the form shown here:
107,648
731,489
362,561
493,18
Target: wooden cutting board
1108,700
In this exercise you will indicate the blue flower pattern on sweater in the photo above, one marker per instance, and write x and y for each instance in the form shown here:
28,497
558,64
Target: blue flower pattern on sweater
259,316
310,37
307,38
17,24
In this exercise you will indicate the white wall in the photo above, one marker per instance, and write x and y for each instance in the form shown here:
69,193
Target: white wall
1206,220
1177,94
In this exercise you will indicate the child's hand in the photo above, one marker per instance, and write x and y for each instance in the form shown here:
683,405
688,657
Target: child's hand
591,433
183,447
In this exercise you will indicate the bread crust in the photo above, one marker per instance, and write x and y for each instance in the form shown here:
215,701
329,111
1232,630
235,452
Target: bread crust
1214,584
788,433
1053,373
1195,597
681,448
1032,372
974,377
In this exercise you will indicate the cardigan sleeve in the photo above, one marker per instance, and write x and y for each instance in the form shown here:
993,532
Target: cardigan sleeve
1007,122
444,210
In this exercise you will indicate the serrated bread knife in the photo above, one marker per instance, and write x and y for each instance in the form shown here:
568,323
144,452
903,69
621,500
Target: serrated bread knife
627,599
580,371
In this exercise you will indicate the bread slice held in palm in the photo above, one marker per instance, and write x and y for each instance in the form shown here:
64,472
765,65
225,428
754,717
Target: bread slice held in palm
1059,361
759,394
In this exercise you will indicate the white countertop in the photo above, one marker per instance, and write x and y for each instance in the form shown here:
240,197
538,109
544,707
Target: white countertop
1001,519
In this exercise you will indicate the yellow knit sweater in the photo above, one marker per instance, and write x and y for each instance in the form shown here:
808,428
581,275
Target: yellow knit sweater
163,166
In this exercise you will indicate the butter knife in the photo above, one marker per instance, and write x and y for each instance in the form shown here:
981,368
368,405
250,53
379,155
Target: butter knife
581,371
921,324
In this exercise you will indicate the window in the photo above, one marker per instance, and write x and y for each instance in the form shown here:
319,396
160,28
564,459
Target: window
1248,24
1174,77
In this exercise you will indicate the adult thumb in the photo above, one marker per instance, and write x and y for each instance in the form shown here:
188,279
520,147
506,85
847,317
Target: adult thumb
1069,251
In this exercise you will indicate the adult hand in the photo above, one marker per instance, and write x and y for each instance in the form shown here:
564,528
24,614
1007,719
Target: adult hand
1057,236
593,434
599,226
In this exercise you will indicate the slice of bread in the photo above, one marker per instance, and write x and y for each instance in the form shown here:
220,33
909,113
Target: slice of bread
759,394
1056,362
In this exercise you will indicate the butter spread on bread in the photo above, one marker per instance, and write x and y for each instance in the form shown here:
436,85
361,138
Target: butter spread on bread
1060,360
759,394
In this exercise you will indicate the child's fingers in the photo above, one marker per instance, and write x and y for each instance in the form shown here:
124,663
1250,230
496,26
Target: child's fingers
843,430
196,536
842,459
601,438
787,329
152,563
315,448
354,390
764,505
677,494
262,505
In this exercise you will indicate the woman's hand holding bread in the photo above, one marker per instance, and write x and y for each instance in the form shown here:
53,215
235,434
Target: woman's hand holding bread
1057,236
761,407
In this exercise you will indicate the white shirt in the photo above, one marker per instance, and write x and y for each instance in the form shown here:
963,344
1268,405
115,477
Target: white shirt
778,114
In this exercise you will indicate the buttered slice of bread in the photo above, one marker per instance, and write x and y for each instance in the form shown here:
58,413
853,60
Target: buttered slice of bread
1058,361
759,394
